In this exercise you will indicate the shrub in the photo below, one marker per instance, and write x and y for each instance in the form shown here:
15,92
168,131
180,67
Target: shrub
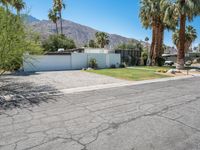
113,66
145,57
123,65
54,42
162,71
93,63
160,61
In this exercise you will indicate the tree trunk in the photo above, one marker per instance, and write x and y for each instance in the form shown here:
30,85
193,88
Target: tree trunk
56,27
156,46
61,26
181,50
161,37
152,43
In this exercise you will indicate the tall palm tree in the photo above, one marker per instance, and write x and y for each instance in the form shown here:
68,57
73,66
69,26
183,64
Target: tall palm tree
151,16
59,6
190,36
18,5
181,10
6,3
102,39
54,18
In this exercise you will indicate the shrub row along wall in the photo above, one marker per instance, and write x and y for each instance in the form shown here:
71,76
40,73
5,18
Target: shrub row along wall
75,61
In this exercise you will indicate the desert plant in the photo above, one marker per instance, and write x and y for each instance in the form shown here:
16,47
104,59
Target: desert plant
93,63
113,66
122,65
102,39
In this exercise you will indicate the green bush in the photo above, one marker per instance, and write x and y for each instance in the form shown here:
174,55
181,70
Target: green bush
54,42
145,57
160,61
113,66
93,63
123,65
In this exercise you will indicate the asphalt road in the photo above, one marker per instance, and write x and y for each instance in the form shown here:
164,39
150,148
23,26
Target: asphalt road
156,116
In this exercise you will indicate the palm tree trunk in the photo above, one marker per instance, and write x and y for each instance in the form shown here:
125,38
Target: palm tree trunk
181,50
152,43
156,46
56,28
161,37
61,26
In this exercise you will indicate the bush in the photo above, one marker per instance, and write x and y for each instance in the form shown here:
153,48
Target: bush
113,66
145,57
54,42
123,65
161,61
93,63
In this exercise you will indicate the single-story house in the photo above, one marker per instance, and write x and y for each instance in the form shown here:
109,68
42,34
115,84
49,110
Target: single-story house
65,60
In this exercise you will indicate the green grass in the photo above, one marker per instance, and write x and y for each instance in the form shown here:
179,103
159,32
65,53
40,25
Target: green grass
155,68
135,74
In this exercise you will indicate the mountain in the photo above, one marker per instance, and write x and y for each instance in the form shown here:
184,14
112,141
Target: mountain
79,33
30,19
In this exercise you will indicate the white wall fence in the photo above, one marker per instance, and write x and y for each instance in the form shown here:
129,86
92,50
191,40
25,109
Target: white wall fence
75,61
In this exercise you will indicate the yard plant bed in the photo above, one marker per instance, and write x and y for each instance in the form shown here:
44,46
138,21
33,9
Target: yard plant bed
135,74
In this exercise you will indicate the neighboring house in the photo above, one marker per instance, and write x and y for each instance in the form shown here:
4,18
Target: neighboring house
130,57
188,56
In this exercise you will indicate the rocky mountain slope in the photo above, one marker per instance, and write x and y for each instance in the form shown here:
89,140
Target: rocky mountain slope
79,33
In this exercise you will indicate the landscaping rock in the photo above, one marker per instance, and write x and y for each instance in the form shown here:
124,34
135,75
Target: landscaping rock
90,69
173,71
194,70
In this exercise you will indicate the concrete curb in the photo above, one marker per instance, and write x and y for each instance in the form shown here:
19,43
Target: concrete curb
115,85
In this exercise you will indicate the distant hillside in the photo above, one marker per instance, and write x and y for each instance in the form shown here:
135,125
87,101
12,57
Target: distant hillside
79,33
30,19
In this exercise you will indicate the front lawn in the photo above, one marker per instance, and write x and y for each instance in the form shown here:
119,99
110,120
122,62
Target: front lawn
135,74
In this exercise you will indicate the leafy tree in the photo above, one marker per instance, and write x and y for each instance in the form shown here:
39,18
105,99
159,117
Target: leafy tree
190,36
180,10
92,44
54,18
58,7
13,39
54,42
102,39
131,46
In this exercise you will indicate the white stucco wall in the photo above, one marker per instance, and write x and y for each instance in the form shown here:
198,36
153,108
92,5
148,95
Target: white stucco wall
76,61
79,61
100,58
47,63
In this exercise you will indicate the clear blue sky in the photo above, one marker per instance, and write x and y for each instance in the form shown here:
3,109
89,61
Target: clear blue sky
113,16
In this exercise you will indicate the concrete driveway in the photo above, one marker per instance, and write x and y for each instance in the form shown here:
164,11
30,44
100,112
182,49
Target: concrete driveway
64,79
156,116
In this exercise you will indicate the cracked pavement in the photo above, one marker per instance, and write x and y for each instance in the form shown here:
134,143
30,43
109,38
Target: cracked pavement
156,116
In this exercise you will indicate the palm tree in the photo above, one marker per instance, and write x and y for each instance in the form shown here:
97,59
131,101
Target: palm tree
59,6
5,3
102,39
18,5
54,18
181,10
190,36
151,16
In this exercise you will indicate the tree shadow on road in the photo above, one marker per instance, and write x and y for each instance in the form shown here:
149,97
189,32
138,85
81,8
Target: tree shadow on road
15,94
